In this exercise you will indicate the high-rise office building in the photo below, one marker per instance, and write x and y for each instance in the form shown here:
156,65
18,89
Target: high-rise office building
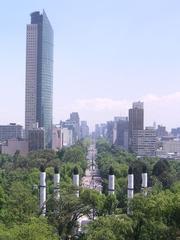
74,118
84,130
110,133
144,142
161,131
122,132
175,132
39,75
101,130
136,120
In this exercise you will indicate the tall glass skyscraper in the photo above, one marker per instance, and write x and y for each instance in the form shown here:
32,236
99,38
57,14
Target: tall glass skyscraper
39,75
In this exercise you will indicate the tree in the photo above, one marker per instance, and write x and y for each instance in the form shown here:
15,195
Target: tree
162,171
102,146
75,155
20,205
137,170
116,227
110,204
61,153
153,217
35,229
64,214
160,167
94,200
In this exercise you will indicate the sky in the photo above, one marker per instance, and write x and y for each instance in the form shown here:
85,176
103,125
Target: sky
107,54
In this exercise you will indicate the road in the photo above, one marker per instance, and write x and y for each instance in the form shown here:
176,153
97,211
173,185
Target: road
92,179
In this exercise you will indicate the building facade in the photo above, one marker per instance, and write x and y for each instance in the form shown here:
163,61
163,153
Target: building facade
13,146
10,131
161,131
169,149
84,130
100,130
75,120
171,146
36,139
136,120
122,133
56,138
111,132
39,75
66,137
175,132
144,142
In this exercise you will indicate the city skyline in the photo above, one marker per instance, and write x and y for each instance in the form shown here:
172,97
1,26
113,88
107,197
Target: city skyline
102,64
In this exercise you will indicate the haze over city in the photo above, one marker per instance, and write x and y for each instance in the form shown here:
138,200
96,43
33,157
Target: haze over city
89,120
107,54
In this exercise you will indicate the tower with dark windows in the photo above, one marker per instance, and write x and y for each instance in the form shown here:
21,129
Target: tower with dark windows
39,75
136,120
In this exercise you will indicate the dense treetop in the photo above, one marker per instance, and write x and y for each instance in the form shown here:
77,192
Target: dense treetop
154,217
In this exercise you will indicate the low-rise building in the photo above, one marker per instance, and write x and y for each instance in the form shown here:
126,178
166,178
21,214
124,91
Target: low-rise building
12,146
169,149
171,146
11,131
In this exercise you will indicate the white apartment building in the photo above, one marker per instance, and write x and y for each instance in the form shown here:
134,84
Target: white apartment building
66,137
144,142
171,146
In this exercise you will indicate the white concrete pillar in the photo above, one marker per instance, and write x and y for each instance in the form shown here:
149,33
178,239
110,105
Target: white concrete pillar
76,180
130,188
130,184
144,181
42,189
111,181
56,183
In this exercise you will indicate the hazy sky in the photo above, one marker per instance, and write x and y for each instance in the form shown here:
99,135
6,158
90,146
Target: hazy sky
107,53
